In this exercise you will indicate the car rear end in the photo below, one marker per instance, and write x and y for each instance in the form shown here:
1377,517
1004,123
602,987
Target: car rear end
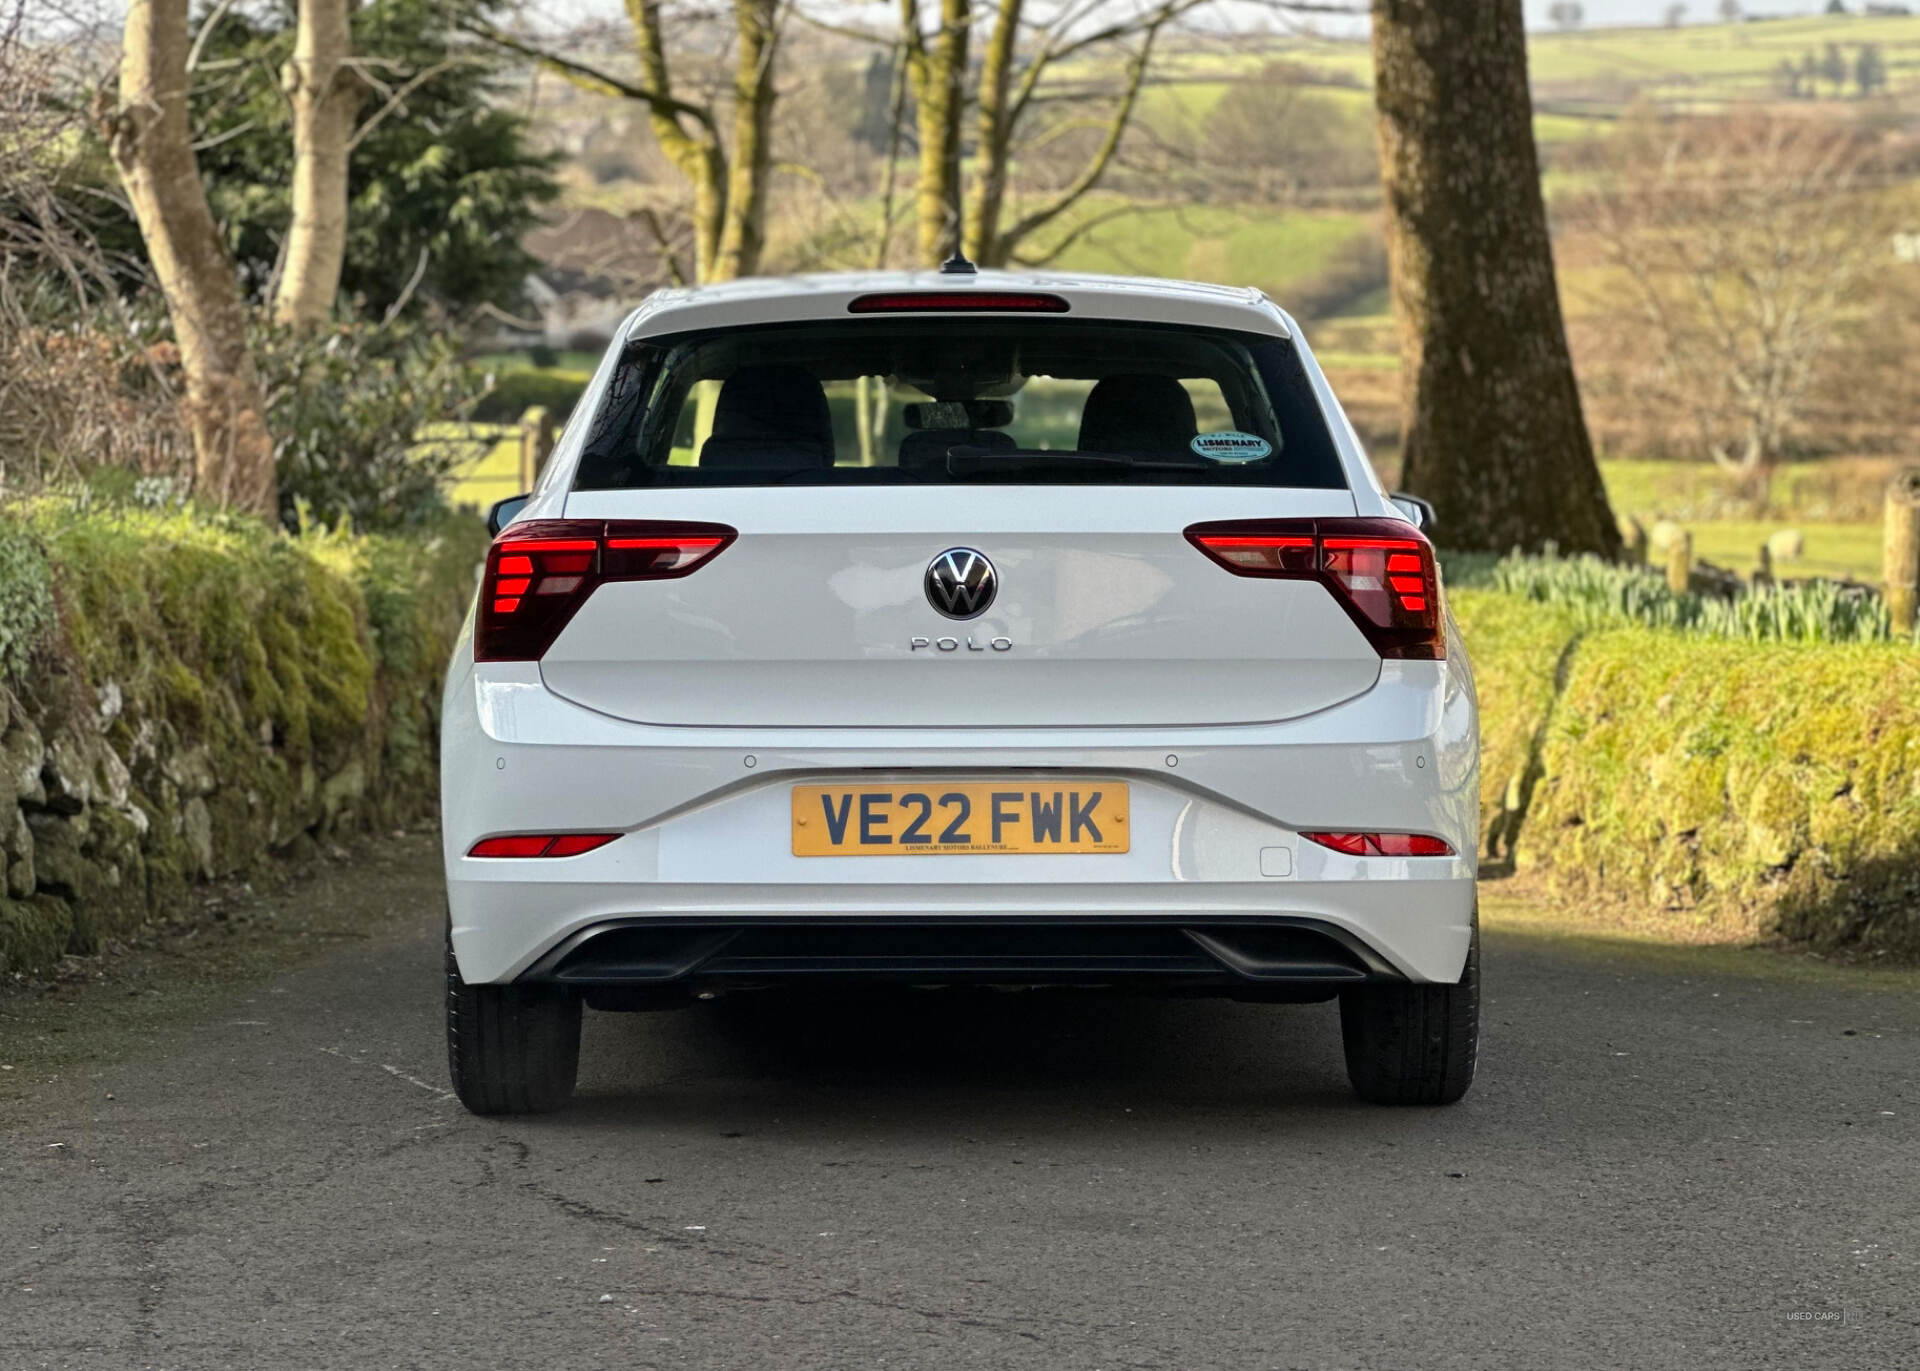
962,631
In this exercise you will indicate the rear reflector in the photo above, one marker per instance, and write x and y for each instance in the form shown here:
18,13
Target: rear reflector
540,844
1381,570
957,301
1383,844
540,572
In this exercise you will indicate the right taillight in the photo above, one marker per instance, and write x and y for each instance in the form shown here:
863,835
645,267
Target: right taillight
1383,844
540,572
1381,571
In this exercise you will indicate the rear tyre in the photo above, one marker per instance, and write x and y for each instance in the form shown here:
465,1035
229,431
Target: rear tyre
1413,1044
511,1049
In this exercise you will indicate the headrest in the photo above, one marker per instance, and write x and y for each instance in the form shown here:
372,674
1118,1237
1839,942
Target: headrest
1137,413
770,415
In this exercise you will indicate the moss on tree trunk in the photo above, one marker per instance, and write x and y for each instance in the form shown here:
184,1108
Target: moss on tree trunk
152,145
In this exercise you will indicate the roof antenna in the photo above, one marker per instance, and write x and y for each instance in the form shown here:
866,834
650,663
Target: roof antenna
957,265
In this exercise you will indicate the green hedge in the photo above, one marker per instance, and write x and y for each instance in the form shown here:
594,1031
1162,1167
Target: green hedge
1726,789
514,391
26,600
1697,787
1518,650
209,692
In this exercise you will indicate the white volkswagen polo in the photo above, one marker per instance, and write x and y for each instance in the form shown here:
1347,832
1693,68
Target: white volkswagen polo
953,629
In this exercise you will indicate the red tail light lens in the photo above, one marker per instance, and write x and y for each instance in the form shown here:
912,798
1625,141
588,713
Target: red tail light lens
628,559
539,566
1383,844
1381,570
957,301
540,844
513,845
539,574
1384,576
1261,554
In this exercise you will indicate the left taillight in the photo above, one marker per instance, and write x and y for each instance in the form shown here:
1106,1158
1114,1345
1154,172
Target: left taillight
1381,570
540,572
541,844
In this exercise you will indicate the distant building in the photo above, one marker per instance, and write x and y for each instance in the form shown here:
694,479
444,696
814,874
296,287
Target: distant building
595,266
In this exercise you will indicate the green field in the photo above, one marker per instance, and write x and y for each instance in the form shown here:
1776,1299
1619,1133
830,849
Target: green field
1714,62
1831,490
1192,98
1707,60
1233,245
1851,550
489,467
1582,78
1702,499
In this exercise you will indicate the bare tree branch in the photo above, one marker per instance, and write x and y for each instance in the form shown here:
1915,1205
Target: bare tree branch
590,78
1097,165
1086,226
399,97
669,258
207,27
1746,243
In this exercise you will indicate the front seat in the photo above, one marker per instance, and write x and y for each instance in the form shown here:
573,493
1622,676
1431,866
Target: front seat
770,418
1138,414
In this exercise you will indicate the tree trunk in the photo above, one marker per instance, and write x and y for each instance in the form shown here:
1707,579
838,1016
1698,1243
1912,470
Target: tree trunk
751,160
994,138
696,153
1494,434
152,146
939,72
325,95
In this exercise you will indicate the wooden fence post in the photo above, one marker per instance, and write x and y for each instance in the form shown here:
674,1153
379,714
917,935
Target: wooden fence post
1680,562
1901,550
536,441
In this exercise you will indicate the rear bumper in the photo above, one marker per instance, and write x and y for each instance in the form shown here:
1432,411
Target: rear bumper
503,930
704,849
647,961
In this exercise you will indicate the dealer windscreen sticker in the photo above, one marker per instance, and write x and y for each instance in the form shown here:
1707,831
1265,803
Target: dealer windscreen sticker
1232,446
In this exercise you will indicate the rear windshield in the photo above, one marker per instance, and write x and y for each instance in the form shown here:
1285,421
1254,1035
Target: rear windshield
946,400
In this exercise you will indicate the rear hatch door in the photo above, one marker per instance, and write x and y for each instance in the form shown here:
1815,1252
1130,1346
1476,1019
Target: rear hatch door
820,614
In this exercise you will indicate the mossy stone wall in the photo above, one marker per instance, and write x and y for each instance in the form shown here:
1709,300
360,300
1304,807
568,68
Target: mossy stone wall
1702,788
209,693
1519,651
195,696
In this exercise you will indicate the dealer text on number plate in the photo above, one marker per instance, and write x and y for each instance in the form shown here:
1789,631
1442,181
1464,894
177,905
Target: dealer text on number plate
954,817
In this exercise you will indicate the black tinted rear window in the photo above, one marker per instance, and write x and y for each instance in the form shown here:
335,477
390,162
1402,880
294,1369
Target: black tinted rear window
1034,401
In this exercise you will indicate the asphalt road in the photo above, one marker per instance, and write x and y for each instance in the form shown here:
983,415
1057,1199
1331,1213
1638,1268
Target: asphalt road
1661,1165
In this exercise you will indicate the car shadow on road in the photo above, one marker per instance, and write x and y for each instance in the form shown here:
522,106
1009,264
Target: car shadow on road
890,1059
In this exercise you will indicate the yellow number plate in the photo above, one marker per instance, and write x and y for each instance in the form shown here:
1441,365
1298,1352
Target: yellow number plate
950,817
